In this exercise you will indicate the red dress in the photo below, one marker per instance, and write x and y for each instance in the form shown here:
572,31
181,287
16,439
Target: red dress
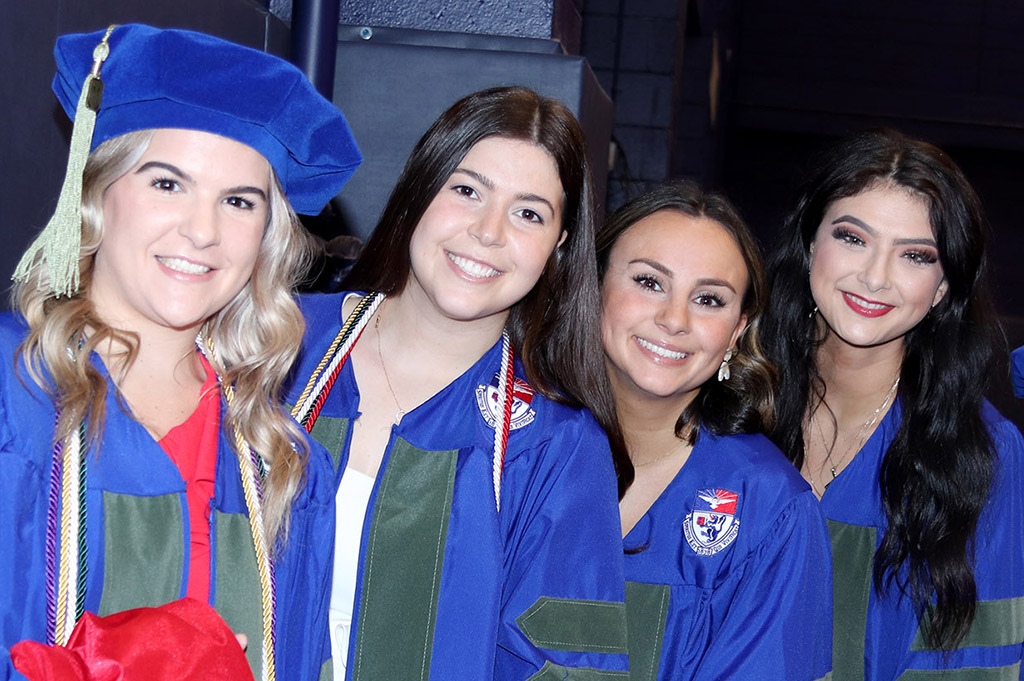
185,639
192,445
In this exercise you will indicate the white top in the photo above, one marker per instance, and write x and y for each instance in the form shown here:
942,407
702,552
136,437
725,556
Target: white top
350,509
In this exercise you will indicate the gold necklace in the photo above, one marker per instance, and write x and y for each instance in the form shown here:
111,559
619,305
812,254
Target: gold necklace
380,353
857,443
658,458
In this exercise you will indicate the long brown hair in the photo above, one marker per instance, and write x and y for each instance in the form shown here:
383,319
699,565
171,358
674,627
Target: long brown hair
552,327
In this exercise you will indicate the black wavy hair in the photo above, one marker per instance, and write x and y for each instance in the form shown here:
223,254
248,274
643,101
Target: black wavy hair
937,472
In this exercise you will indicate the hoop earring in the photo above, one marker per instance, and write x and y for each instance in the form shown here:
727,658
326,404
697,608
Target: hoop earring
723,371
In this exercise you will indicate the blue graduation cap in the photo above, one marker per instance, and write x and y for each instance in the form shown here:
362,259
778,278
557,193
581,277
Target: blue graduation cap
137,77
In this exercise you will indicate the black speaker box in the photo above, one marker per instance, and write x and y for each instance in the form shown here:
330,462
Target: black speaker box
393,83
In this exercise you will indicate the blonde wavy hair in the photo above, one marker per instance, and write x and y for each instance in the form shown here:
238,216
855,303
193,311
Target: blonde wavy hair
256,335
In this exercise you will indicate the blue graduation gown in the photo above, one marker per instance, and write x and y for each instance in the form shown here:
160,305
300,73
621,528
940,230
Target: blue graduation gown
137,527
1017,371
729,571
877,638
448,588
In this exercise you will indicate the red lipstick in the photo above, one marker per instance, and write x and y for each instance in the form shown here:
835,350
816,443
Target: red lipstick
857,304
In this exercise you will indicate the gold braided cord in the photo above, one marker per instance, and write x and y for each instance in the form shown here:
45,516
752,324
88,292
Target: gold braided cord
68,498
59,244
352,319
250,476
316,372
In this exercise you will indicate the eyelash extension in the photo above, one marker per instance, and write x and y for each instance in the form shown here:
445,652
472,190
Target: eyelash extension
922,257
846,235
715,298
648,281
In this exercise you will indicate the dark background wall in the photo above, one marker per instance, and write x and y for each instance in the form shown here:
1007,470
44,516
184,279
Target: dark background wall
733,93
737,94
35,131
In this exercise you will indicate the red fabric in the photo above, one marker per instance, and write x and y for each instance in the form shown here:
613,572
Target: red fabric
192,446
182,641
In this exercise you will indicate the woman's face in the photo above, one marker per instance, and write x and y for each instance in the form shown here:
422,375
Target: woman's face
181,231
875,270
673,292
486,237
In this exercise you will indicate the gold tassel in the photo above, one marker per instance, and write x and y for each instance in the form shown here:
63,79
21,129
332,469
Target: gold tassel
59,244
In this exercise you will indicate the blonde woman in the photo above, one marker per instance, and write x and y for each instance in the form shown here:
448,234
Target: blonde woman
145,454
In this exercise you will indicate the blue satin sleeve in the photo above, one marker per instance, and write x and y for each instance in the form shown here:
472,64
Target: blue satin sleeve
1017,371
562,607
774,621
23,488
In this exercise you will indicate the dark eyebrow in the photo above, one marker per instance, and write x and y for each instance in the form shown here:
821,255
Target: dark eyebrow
707,281
486,182
857,221
653,264
916,242
476,176
716,282
175,170
168,167
900,242
533,198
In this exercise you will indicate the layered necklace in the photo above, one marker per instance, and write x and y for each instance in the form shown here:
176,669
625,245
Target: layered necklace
321,381
835,465
67,550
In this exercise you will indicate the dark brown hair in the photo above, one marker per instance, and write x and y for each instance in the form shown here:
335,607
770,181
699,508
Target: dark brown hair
744,403
552,326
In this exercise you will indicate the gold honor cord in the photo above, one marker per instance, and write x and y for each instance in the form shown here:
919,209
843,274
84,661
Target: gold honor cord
251,484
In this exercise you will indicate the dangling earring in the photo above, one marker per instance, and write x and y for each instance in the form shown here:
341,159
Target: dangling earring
813,312
723,371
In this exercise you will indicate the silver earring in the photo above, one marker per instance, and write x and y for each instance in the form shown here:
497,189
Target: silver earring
813,312
723,371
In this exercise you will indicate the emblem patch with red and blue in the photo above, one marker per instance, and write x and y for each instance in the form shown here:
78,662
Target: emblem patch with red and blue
712,525
489,403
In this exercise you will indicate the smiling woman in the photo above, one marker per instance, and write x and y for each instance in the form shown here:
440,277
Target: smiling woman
180,235
726,551
883,327
472,486
875,269
670,315
164,282
485,239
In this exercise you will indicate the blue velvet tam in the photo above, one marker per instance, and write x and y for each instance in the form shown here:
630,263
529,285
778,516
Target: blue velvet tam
157,78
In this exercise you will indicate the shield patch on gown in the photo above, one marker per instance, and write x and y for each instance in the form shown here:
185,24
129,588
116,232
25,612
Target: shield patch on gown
489,403
712,525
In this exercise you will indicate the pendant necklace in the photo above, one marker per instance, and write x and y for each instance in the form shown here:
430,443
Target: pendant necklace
307,408
380,354
858,441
